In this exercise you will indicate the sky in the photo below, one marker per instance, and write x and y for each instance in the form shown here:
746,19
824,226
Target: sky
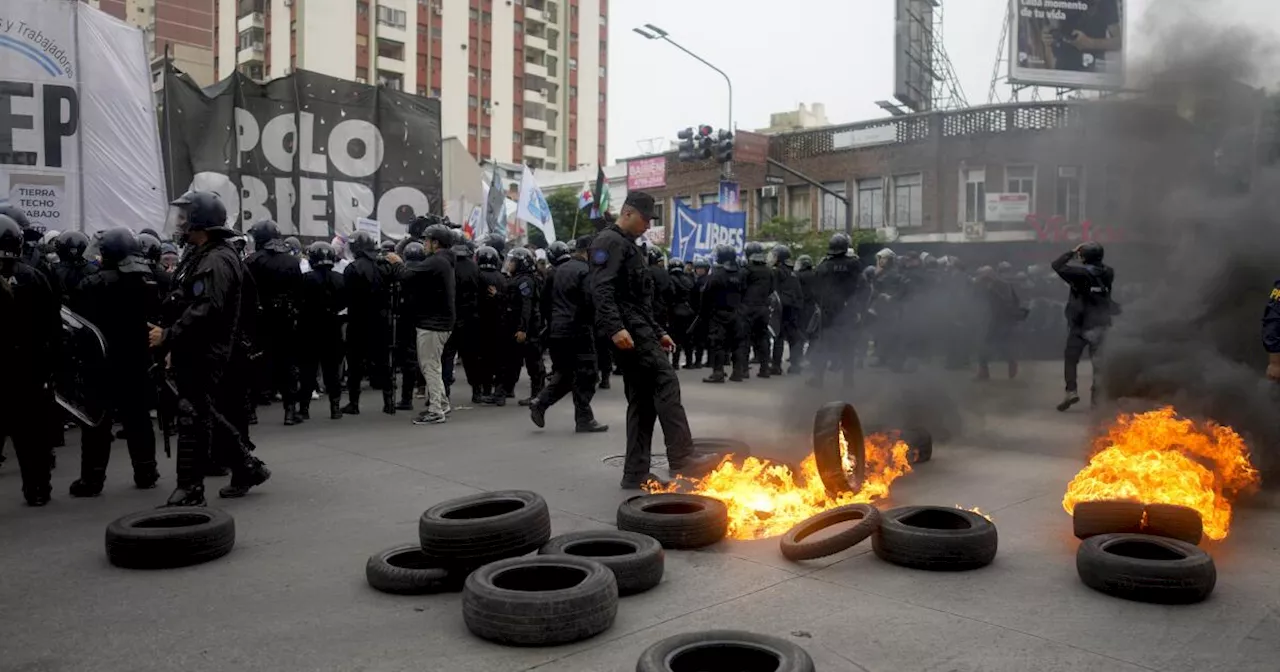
835,52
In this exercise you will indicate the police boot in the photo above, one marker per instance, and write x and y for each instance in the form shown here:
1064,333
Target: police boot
765,370
477,396
250,474
389,402
187,495
86,487
253,415
675,360
353,403
304,409
406,398
290,415
604,380
145,475
335,409
715,377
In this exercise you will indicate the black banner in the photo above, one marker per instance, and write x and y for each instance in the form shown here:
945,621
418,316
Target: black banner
312,152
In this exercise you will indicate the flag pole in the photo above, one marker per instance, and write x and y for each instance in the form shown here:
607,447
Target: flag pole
576,214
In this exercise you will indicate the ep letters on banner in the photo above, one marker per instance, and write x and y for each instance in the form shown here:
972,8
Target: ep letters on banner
698,232
312,152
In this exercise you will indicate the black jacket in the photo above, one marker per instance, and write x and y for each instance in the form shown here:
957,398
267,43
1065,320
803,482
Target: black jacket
369,284
571,313
323,296
790,292
662,292
278,278
428,287
117,304
70,275
30,338
619,273
682,296
808,286
722,296
837,283
466,288
759,285
491,302
207,298
1089,305
524,304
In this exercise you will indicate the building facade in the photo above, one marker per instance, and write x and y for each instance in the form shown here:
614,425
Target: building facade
519,81
185,27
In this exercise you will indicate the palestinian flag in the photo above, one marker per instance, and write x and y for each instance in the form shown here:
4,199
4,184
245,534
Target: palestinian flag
600,195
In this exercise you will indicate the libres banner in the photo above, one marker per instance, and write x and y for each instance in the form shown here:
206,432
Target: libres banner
697,232
312,152
77,119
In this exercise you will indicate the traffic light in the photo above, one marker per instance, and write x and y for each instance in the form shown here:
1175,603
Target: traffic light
724,146
696,144
688,146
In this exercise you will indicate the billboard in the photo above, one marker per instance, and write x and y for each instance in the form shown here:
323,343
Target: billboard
1007,207
913,53
77,121
1068,43
647,173
313,152
751,148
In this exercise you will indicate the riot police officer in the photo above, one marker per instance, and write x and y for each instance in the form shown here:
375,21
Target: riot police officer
662,288
680,313
117,300
201,342
791,301
722,312
32,247
28,346
698,330
490,325
413,254
370,283
809,318
161,279
524,315
759,287
572,345
278,279
838,277
463,341
323,298
72,267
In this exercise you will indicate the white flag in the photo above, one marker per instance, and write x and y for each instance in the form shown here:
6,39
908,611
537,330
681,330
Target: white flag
533,207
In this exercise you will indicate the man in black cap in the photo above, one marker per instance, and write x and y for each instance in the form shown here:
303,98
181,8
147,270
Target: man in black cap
619,272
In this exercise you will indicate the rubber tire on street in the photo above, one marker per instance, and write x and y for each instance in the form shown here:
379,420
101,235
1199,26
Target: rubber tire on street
1106,517
1186,575
170,537
724,650
636,570
475,530
970,544
718,446
419,577
795,547
920,442
1176,522
827,425
524,615
676,521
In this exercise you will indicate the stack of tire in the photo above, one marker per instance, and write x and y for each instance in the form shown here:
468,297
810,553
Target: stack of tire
480,544
936,538
1143,552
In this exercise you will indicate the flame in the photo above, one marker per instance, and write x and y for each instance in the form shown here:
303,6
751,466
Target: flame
1159,458
767,499
977,511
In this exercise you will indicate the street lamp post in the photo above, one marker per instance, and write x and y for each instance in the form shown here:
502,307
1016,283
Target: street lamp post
653,32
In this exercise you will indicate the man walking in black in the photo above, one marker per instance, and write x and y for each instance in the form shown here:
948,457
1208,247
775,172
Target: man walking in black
1089,310
618,278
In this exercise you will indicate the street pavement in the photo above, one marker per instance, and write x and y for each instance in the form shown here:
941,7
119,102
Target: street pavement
292,595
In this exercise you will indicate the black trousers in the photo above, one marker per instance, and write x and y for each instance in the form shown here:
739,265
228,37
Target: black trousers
727,342
573,369
529,356
205,434
323,351
368,354
1077,341
680,334
279,343
790,335
95,443
653,395
757,318
997,343
462,343
25,419
604,356
835,344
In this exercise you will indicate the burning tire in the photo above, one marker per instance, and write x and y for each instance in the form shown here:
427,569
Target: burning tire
715,446
636,560
540,601
921,443
935,538
1144,568
1176,522
477,529
170,537
676,521
404,570
724,650
1106,517
833,422
796,546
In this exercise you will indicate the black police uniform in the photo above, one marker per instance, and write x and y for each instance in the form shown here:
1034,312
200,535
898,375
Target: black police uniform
116,300
524,303
759,285
791,295
619,274
277,276
463,340
726,327
572,344
369,283
491,332
681,315
1088,310
838,277
28,346
323,298
663,289
72,268
698,330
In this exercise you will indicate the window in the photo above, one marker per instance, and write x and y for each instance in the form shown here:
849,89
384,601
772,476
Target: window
517,138
833,209
362,8
390,49
519,27
602,71
391,80
362,40
708,199
1021,180
973,207
471,101
388,16
435,93
870,203
603,20
484,131
573,92
1116,185
436,32
471,130
362,74
252,38
798,203
422,91
602,99
473,72
908,200
573,64
486,17
767,206
475,16
252,70
573,37
422,29
1070,199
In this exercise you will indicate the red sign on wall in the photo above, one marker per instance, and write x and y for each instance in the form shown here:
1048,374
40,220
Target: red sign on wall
650,173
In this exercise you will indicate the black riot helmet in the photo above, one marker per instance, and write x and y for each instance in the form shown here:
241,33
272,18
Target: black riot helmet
675,265
782,254
263,231
321,255
1091,252
522,260
202,211
294,245
700,261
362,243
558,252
72,245
488,259
838,246
415,252
498,243
150,244
440,234
726,255
387,246
755,253
10,238
805,262
121,251
459,238
655,255
30,234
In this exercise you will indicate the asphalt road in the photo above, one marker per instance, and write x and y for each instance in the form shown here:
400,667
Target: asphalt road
292,595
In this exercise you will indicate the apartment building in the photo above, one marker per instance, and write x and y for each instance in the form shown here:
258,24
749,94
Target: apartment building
519,81
184,26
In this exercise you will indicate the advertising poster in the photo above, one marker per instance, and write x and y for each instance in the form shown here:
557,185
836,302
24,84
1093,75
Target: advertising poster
1069,43
648,173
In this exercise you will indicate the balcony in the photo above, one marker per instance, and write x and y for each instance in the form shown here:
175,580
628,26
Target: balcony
534,152
535,116
252,53
248,21
535,42
532,67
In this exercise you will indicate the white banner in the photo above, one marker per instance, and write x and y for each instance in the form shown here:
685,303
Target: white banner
77,121
1008,207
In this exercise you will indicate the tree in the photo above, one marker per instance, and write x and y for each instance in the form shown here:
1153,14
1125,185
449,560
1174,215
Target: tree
802,239
564,209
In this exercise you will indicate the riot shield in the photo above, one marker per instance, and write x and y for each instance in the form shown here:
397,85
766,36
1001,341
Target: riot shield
81,377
